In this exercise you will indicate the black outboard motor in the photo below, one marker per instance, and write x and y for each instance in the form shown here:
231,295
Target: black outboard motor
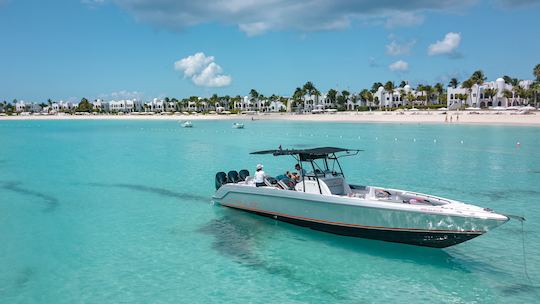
221,179
243,174
233,177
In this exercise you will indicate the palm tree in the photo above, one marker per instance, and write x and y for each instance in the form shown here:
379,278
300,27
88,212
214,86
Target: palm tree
508,95
411,98
298,96
331,95
389,87
439,90
254,96
535,87
536,72
422,89
453,83
375,87
520,92
478,78
490,93
364,95
467,84
402,84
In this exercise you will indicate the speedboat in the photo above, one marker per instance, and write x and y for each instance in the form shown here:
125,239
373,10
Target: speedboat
186,124
322,199
238,125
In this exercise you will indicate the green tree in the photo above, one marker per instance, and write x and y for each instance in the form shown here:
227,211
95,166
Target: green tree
332,96
402,84
536,72
389,88
453,83
84,106
375,86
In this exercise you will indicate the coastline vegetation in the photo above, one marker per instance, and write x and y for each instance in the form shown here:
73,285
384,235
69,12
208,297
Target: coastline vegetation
426,97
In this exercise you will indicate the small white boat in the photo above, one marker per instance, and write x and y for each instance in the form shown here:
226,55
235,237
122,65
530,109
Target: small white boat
186,124
238,125
322,199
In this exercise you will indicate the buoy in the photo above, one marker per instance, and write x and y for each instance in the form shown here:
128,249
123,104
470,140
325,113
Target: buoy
518,144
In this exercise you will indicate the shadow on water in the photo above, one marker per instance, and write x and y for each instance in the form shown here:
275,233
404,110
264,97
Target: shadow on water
238,238
24,276
155,190
51,201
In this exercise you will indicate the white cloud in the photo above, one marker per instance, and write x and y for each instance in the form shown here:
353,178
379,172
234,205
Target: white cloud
399,66
404,19
258,17
254,29
394,48
447,46
122,94
203,71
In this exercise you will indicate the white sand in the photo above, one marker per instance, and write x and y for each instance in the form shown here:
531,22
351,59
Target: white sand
485,118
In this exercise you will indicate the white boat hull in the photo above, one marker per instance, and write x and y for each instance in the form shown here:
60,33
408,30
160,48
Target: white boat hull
433,226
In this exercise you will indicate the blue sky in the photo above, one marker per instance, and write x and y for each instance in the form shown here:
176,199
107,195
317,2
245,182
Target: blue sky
124,48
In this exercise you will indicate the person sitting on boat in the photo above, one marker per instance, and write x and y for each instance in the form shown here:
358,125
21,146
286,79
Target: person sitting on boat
260,176
300,172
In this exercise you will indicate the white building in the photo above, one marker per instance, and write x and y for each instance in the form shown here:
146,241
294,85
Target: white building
23,106
476,96
125,106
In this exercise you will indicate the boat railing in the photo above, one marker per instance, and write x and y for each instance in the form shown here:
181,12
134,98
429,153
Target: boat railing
426,196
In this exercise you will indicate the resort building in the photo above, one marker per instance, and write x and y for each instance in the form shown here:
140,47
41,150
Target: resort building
496,93
23,106
125,106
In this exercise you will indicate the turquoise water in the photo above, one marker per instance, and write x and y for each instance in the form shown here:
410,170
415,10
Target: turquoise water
120,211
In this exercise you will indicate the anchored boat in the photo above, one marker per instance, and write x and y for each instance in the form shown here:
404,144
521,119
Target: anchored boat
187,124
238,125
322,199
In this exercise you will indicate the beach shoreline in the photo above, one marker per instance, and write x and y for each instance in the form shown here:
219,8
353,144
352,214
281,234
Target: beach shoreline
421,117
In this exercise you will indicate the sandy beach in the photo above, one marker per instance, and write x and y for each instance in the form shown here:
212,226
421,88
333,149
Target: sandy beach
484,118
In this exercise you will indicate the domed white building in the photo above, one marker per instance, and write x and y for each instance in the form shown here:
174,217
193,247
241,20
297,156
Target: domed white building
475,97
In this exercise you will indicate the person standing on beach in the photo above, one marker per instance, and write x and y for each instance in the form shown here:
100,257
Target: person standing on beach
450,118
457,117
446,118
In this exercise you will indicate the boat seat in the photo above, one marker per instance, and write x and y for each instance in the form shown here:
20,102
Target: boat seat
286,184
233,177
243,174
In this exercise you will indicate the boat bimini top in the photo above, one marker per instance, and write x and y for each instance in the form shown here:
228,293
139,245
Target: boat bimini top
323,161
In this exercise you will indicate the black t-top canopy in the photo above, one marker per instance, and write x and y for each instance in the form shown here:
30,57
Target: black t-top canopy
314,152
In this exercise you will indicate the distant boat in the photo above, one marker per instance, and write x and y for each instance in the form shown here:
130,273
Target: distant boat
186,124
238,125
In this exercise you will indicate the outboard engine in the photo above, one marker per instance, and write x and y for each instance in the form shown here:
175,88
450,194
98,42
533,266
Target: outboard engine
243,174
233,177
221,179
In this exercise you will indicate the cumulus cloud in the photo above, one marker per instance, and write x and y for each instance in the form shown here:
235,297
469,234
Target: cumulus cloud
399,66
404,19
203,71
447,46
517,3
395,48
258,17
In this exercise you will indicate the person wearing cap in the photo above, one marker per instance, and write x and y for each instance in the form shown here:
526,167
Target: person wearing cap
260,176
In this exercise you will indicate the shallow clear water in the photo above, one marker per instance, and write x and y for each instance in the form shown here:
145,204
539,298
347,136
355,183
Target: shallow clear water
120,211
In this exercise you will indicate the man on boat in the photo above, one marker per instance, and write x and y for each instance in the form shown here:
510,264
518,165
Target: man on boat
300,170
260,176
